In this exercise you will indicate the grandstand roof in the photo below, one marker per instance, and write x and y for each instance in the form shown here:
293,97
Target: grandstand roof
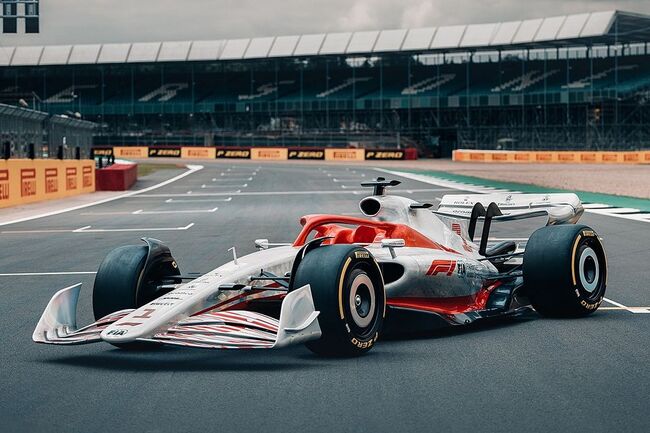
594,28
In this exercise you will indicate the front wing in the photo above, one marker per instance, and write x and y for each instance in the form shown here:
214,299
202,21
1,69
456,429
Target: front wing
230,329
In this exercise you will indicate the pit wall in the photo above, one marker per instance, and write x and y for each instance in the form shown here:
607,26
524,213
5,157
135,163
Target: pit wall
256,153
25,181
556,157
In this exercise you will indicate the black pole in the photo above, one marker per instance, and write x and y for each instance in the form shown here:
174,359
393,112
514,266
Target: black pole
31,151
77,152
6,150
59,152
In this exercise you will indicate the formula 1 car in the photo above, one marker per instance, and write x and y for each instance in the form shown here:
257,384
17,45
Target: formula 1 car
346,279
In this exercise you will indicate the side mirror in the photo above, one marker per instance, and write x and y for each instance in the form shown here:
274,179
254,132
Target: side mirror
262,244
391,244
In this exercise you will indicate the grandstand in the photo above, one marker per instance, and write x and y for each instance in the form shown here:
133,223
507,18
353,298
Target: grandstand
568,82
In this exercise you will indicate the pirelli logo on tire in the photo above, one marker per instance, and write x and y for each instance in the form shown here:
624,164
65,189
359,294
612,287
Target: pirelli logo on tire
233,154
384,154
306,154
165,152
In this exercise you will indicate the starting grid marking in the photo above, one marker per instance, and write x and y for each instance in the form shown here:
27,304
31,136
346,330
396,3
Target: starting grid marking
89,229
207,200
150,212
142,193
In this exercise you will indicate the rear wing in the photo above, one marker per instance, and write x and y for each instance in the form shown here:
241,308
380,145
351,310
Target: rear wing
563,208
558,208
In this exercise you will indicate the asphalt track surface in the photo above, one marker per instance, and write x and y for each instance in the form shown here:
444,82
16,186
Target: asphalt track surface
527,374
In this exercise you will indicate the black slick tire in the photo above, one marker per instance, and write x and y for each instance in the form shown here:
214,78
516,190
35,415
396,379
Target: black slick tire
565,271
348,290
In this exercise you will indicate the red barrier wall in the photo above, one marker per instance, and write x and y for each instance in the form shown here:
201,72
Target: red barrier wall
117,177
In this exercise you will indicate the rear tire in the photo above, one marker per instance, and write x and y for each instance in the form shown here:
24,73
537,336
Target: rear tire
565,271
348,290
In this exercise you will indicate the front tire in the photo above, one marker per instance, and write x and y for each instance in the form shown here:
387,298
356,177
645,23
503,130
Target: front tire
565,271
126,281
348,290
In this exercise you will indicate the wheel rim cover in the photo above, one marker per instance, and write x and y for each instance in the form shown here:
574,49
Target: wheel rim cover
362,294
589,270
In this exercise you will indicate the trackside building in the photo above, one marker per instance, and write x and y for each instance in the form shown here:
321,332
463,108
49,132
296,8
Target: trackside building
576,82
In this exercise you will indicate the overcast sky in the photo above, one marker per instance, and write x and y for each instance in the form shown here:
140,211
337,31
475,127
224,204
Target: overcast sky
88,21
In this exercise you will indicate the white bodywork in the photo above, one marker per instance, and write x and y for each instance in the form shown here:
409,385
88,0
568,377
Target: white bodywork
151,321
187,315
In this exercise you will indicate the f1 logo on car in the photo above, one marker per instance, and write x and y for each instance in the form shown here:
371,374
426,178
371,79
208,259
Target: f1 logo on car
442,266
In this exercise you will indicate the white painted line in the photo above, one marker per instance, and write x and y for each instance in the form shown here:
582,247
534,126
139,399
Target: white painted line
616,210
148,229
88,229
191,170
639,310
595,206
436,181
224,186
106,213
237,179
46,274
614,303
634,310
156,212
274,193
643,217
208,200
36,231
192,193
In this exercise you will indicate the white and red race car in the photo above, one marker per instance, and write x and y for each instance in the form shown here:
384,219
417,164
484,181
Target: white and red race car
345,280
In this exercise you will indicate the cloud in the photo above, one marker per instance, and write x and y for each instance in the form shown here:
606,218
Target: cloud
98,21
419,14
360,16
